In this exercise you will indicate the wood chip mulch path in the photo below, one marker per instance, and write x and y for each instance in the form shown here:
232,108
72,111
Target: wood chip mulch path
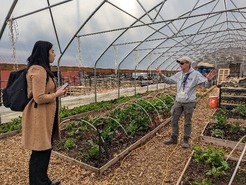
151,164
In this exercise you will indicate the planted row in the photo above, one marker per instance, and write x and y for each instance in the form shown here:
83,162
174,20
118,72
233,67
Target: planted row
96,141
65,112
222,127
208,166
15,124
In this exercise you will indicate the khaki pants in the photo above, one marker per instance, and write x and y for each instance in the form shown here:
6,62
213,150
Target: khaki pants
176,111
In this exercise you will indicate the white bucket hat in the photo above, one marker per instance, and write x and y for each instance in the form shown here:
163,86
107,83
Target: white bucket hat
184,59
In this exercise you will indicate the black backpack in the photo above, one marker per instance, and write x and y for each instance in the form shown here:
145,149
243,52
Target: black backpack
15,94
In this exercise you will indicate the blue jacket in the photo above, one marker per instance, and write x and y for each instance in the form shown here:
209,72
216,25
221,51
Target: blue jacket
186,89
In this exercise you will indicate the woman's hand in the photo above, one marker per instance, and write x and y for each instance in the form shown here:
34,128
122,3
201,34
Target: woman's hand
60,92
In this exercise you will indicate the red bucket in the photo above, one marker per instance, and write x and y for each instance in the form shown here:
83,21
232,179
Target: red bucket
213,102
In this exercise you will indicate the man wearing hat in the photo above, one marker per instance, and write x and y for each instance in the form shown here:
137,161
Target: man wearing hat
187,79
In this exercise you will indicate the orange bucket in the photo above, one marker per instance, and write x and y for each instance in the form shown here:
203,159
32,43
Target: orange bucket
213,102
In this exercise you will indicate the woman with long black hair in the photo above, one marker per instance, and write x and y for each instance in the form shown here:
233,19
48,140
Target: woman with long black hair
40,119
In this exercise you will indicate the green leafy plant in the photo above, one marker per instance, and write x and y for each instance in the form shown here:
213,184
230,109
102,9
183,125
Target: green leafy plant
14,124
81,149
131,129
240,110
213,157
220,118
201,182
133,117
116,127
69,143
65,112
71,129
234,128
93,151
217,133
109,130
216,171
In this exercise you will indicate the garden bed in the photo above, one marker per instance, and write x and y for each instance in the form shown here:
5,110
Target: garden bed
132,144
11,128
101,140
226,129
229,139
225,132
9,134
195,172
144,165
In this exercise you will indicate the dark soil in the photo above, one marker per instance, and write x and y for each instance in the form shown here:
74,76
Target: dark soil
228,134
108,150
197,171
234,115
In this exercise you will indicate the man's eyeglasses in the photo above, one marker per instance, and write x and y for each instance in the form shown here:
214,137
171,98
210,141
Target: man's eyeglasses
181,63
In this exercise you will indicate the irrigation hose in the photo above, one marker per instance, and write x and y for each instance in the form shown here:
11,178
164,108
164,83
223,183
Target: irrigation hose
166,168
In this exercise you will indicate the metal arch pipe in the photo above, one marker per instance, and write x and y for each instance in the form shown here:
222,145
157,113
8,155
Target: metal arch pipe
92,14
147,13
164,1
133,50
164,21
39,10
171,20
188,35
125,30
211,39
172,47
54,26
59,60
205,14
7,17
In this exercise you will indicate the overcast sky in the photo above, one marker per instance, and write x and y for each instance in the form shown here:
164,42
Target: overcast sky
91,48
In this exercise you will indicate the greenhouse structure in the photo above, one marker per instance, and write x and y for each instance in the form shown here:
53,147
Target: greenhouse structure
126,63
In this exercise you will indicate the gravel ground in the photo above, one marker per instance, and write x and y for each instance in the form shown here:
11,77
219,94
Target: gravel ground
151,164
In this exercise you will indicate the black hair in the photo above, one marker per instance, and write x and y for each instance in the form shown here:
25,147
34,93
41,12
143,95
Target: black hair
40,56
